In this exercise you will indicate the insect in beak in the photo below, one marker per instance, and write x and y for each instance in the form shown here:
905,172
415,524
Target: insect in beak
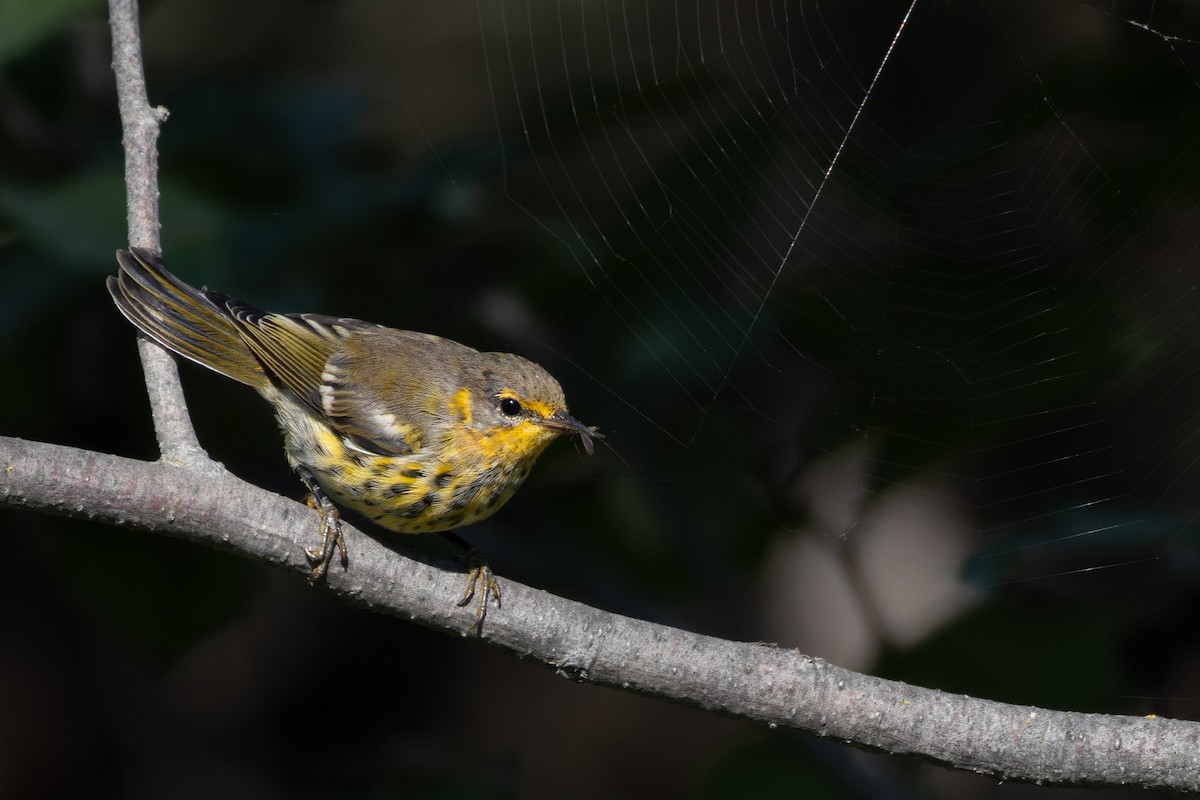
560,421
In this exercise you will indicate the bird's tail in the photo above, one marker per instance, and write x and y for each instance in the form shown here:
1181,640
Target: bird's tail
181,318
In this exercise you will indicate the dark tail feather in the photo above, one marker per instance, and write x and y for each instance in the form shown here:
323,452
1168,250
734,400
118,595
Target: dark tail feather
180,317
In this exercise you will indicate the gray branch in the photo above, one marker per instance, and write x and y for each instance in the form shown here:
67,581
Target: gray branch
139,122
772,685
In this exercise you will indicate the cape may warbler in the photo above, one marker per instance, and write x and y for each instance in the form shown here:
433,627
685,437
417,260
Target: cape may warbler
418,433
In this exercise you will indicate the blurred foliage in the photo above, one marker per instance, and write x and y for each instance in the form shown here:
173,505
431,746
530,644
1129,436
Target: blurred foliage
285,183
29,22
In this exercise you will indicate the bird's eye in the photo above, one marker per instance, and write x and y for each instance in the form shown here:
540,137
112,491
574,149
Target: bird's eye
510,406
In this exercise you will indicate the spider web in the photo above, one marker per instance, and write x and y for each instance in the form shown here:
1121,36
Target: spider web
958,237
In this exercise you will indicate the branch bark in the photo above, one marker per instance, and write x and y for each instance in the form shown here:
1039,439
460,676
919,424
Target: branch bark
140,123
186,495
756,681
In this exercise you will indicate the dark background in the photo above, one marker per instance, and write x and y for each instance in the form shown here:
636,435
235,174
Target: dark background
946,435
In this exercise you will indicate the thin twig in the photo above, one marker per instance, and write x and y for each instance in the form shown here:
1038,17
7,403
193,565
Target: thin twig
139,122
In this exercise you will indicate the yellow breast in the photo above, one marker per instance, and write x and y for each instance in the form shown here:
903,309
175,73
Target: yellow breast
461,474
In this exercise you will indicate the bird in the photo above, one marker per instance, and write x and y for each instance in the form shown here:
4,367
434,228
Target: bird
418,433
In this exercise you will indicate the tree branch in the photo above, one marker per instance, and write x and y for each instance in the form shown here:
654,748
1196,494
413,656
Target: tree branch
755,681
176,437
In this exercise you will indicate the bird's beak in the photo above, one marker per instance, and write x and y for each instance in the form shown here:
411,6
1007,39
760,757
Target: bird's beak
560,421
